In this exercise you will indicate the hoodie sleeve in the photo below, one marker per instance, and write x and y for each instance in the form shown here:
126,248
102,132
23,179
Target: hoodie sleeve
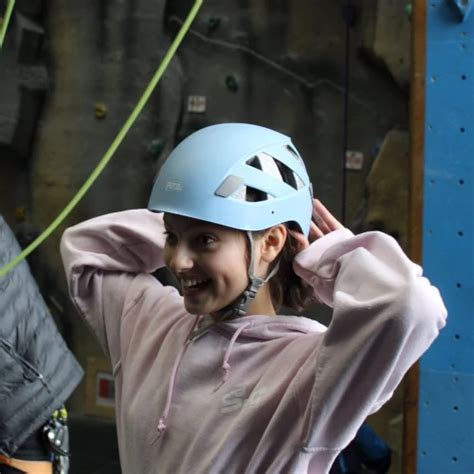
385,315
108,261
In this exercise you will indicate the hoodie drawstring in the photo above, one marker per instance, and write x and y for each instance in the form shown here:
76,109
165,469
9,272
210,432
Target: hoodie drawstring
162,422
161,428
225,363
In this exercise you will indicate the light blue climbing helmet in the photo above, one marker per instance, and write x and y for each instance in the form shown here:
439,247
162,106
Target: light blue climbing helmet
237,175
241,176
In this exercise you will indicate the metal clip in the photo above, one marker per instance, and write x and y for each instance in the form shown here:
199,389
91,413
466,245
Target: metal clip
57,437
56,434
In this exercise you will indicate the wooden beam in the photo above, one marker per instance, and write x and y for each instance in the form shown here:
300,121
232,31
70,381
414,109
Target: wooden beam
415,224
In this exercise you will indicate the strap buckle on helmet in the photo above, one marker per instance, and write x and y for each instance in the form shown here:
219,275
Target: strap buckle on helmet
255,283
240,309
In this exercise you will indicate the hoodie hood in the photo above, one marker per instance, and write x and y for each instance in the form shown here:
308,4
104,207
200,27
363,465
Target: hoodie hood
257,327
264,327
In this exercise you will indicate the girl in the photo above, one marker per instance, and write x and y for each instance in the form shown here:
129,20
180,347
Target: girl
213,380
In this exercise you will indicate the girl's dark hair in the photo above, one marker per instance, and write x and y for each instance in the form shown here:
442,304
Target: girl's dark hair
286,287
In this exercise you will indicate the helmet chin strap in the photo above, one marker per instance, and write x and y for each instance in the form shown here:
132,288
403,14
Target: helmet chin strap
240,307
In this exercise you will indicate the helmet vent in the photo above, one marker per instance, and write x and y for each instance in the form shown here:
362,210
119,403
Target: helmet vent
233,186
249,194
255,195
254,162
274,167
294,153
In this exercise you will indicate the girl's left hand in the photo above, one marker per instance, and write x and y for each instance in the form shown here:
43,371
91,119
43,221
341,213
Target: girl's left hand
323,223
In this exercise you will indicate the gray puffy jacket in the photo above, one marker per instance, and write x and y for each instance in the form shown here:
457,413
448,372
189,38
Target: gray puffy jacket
37,370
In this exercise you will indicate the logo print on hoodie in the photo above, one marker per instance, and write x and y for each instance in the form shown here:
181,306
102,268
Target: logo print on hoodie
236,399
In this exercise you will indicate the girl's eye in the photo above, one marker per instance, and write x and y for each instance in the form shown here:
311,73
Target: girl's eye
205,240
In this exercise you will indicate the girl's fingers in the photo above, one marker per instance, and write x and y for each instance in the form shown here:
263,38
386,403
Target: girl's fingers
301,240
328,221
315,232
323,223
320,224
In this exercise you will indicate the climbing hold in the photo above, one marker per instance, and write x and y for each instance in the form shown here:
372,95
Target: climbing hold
213,23
231,83
408,10
100,110
156,147
20,213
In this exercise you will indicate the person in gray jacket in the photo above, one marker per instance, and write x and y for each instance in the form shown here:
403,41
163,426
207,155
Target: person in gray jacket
37,373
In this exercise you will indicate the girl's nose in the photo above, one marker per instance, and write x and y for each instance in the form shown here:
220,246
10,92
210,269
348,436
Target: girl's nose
181,259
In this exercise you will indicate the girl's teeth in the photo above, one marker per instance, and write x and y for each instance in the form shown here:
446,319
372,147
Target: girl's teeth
191,283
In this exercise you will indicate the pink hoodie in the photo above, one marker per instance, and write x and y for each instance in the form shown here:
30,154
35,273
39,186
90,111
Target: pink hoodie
256,394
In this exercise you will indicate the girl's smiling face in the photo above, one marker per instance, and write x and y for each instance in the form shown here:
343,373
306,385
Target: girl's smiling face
208,260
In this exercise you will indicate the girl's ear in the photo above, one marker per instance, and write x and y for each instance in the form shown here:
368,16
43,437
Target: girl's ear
272,242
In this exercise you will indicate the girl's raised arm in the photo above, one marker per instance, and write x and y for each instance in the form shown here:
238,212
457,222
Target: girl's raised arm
107,262
385,316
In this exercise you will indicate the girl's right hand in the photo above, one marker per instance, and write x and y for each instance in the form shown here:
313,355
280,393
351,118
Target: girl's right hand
323,223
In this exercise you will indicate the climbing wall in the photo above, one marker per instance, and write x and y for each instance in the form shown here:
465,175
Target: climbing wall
334,78
446,421
24,80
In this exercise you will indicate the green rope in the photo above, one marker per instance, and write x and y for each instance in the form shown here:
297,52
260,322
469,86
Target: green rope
6,20
115,144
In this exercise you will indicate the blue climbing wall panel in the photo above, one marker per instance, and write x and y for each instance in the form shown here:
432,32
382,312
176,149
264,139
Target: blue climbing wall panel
446,398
